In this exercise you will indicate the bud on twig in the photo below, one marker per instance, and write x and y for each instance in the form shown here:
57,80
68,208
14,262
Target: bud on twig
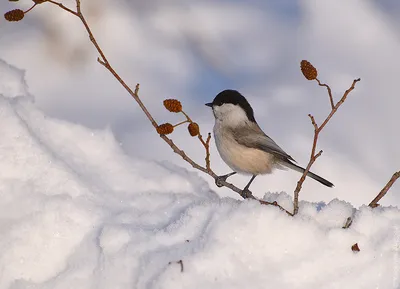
173,105
165,128
193,129
14,15
309,71
39,1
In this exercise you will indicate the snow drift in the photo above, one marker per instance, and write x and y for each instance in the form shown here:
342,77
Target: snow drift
76,212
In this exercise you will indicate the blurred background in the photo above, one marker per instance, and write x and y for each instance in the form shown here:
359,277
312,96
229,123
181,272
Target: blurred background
191,50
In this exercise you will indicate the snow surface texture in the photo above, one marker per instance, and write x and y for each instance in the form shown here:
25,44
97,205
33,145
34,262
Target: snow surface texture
76,212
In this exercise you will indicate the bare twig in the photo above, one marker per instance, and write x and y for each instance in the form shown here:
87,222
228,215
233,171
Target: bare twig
329,92
208,152
187,117
206,145
182,122
33,6
317,130
63,7
178,262
274,203
339,103
137,88
382,193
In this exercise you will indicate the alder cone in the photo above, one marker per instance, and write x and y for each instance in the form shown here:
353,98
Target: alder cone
193,129
14,15
173,105
308,70
165,128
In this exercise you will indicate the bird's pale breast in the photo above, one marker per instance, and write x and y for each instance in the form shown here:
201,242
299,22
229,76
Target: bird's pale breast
240,158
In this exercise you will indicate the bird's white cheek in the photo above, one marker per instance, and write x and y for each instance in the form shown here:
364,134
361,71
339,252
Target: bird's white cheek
217,113
232,115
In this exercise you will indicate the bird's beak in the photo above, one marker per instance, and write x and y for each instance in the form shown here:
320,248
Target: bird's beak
209,104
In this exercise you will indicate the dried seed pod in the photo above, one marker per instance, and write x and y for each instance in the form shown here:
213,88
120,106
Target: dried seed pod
193,129
173,105
165,128
355,248
14,15
39,1
309,71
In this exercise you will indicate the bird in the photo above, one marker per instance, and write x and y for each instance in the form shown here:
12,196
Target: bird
243,145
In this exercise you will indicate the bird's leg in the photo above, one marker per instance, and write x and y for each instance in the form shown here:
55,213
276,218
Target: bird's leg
245,192
223,178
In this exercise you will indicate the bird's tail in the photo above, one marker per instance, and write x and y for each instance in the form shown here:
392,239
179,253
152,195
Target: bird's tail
295,167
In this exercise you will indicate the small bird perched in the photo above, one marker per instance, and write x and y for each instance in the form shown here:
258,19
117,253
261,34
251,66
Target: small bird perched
241,143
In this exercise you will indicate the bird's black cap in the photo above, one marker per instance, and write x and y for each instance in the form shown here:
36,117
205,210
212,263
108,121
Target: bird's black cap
233,97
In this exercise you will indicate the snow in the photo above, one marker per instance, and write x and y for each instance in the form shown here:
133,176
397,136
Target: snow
77,212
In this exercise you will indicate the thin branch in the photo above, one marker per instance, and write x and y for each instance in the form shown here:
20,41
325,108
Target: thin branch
178,262
206,145
137,89
317,130
339,103
33,6
187,117
382,193
208,165
313,122
182,122
329,92
374,202
274,203
63,7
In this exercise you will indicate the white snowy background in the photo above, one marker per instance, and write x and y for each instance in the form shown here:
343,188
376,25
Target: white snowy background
90,197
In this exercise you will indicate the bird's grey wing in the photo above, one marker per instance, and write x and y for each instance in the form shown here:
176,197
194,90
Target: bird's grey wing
253,137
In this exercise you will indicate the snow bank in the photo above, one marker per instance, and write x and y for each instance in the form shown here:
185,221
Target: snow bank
76,212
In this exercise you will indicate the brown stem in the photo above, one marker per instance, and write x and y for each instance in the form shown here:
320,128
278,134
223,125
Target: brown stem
63,7
339,103
182,122
374,202
276,205
33,6
382,193
317,130
329,92
129,90
206,145
187,117
208,165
